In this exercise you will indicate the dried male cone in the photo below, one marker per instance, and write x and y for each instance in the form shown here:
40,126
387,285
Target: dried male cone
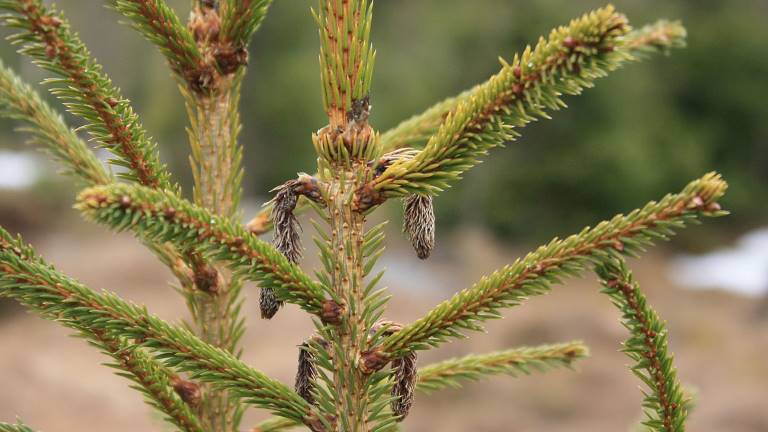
405,382
286,240
306,373
268,303
419,223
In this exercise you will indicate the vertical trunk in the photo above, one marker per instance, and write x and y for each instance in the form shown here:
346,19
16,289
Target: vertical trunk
347,231
216,156
215,160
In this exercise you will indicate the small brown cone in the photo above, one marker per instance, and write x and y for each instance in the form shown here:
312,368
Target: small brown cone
268,303
286,240
306,373
405,382
419,224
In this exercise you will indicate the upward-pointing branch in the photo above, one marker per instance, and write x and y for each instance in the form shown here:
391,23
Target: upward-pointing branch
88,93
534,274
158,23
346,70
240,19
346,55
569,61
659,37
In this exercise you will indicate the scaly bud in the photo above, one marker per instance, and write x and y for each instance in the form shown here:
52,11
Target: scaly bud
188,391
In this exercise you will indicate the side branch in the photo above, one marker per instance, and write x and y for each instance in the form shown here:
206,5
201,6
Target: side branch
163,217
19,101
18,427
666,403
154,380
569,61
240,19
513,362
46,37
158,23
38,286
659,37
534,274
274,424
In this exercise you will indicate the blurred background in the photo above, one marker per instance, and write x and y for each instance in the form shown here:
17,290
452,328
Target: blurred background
644,131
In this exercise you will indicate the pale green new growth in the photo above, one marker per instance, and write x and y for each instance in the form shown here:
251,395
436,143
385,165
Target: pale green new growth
358,371
514,362
659,37
241,18
346,55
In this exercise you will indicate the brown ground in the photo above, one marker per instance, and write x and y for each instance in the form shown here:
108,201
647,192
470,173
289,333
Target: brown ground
56,384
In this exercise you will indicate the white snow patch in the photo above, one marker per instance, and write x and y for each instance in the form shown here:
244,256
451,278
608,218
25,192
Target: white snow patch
18,170
742,268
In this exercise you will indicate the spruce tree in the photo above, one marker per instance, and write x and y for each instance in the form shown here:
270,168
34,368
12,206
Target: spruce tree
358,371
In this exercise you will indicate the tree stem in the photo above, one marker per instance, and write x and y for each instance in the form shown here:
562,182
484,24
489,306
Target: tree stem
347,231
216,168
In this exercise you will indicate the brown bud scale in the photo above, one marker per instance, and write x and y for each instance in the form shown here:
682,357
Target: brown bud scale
188,391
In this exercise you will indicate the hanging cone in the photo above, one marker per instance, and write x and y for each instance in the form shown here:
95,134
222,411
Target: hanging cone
419,224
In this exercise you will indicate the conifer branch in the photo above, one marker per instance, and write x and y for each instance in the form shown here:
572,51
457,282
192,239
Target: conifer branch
240,19
514,362
534,274
88,93
161,216
275,424
569,61
152,379
658,37
18,427
19,101
159,24
27,278
346,56
346,70
666,404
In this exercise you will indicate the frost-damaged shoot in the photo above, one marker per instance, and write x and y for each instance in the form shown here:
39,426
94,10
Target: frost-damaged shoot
358,371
